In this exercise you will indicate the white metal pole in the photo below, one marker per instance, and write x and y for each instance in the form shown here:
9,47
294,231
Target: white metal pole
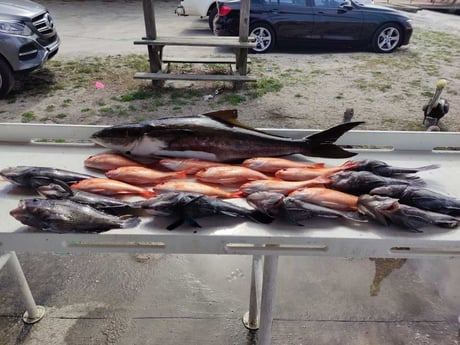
268,299
33,312
251,318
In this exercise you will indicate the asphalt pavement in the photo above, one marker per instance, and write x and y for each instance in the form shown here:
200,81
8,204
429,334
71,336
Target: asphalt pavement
136,299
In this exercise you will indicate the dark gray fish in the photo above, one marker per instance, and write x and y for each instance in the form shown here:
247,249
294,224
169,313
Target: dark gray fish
187,207
270,203
295,210
362,182
60,190
216,136
388,211
31,176
67,216
383,169
423,198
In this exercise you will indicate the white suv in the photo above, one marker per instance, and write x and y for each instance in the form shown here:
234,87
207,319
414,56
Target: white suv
202,8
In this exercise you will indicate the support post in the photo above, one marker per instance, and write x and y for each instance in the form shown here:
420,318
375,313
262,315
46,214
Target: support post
33,312
268,299
155,52
242,53
251,318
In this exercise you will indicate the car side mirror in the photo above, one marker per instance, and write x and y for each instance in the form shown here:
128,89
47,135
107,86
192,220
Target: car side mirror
346,5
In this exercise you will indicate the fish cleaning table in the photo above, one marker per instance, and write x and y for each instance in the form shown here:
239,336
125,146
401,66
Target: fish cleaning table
67,146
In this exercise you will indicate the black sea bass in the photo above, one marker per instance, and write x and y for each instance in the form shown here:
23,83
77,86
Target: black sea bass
216,136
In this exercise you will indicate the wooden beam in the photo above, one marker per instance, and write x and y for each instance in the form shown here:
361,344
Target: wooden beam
242,53
186,76
155,52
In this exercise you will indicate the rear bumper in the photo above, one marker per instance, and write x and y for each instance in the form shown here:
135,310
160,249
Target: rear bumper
407,35
226,27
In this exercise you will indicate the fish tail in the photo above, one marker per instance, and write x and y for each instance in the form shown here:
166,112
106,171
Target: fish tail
259,217
322,144
148,193
323,179
237,194
181,174
349,165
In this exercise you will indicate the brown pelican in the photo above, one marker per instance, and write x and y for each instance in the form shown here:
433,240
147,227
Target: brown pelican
436,107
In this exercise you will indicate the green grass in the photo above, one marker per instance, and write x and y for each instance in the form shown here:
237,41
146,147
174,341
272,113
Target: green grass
28,116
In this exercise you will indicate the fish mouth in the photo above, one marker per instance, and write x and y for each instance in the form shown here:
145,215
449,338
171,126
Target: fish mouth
13,172
20,212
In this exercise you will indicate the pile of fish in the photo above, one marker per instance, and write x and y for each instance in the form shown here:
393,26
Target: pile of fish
188,189
207,158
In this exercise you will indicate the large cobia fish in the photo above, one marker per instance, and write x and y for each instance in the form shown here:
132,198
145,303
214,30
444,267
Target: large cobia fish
67,216
217,136
187,207
388,211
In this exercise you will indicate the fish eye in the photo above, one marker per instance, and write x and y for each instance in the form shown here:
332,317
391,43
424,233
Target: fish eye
128,152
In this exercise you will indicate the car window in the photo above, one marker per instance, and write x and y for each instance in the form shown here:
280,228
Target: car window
301,3
327,3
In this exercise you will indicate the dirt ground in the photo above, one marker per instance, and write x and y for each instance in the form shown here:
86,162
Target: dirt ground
387,91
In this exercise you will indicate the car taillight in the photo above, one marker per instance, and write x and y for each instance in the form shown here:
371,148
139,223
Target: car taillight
224,10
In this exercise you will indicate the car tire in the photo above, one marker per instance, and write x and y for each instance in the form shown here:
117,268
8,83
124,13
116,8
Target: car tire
213,15
6,78
264,36
387,38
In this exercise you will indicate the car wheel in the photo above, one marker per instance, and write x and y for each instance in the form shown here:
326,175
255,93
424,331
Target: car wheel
264,37
387,38
6,78
213,16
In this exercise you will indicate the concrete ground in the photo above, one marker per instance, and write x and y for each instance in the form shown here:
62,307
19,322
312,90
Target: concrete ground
137,299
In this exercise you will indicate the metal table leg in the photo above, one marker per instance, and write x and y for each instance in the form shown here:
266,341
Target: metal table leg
34,313
251,318
268,299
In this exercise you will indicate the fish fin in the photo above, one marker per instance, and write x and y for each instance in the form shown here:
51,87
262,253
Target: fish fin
230,117
129,221
237,194
428,167
354,216
38,181
180,174
317,166
193,222
349,165
148,194
322,144
65,186
260,217
176,223
324,179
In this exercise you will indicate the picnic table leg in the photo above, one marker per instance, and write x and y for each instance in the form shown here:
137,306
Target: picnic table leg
34,313
251,318
268,299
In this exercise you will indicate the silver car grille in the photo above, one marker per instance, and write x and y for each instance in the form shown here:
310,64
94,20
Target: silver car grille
44,23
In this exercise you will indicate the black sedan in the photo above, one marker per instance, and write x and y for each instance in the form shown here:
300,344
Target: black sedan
301,22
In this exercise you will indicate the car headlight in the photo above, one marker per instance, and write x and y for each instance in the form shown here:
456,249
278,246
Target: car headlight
15,28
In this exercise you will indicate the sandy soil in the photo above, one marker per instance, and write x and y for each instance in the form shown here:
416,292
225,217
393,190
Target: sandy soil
387,91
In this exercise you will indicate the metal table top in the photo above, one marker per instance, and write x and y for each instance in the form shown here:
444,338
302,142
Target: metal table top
22,144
